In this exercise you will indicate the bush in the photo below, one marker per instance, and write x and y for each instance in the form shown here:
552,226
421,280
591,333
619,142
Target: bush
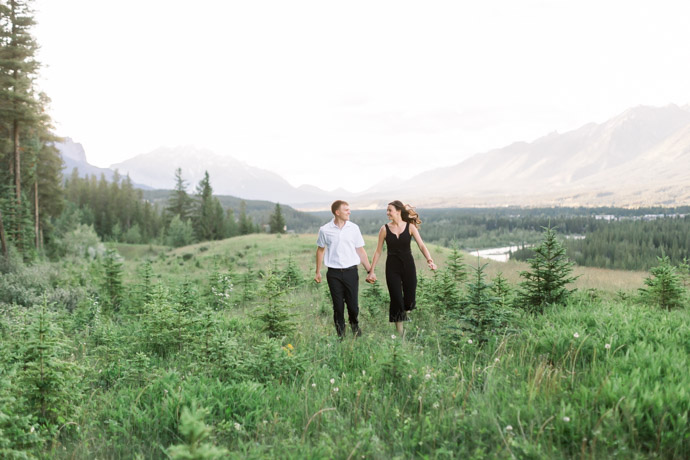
550,272
664,287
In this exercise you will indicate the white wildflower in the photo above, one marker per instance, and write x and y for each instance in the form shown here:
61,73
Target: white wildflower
607,346
469,341
332,381
509,428
576,335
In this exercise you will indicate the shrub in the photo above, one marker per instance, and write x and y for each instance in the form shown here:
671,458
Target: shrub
194,433
550,272
664,286
275,318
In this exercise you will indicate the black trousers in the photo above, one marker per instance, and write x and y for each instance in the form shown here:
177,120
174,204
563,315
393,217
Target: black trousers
401,278
344,286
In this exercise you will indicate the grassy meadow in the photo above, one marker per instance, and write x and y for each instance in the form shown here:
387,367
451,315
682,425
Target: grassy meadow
196,361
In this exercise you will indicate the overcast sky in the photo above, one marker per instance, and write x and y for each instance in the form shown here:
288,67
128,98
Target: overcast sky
349,93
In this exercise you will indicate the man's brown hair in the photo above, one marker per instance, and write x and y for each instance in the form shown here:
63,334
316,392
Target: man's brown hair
337,204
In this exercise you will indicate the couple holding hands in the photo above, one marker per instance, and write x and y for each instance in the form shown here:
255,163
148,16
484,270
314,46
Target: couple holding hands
340,247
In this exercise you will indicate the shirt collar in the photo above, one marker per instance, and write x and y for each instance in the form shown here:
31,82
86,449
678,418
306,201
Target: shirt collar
347,222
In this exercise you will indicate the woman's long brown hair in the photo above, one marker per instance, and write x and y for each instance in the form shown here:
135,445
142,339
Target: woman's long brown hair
407,212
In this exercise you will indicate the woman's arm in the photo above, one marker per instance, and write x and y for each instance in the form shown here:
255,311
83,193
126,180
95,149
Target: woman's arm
422,247
379,249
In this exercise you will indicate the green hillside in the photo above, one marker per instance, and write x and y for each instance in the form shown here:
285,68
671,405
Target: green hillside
227,350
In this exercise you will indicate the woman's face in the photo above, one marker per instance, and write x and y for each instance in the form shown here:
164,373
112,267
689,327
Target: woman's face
392,212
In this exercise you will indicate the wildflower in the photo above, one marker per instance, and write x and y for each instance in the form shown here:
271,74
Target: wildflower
289,345
427,376
576,335
336,389
469,341
436,405
607,346
409,376
509,428
313,385
265,422
33,429
364,372
393,336
566,419
332,381
496,360
238,427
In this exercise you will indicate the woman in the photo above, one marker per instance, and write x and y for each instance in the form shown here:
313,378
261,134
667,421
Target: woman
401,275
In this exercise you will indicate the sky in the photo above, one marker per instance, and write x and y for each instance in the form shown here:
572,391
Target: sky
351,93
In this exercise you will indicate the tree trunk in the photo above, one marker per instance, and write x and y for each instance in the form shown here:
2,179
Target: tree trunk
17,163
3,241
38,235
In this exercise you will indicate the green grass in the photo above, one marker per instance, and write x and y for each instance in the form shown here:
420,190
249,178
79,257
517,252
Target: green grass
599,377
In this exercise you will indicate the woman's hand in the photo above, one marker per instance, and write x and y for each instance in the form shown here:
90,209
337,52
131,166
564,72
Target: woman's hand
371,278
431,264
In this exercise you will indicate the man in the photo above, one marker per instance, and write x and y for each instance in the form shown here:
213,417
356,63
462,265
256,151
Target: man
341,248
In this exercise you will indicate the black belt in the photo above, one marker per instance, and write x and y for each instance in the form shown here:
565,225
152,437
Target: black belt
354,267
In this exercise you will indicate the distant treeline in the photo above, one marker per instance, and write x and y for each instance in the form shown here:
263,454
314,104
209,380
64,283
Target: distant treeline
633,245
119,212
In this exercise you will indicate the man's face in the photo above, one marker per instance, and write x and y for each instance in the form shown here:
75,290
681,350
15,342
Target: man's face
343,212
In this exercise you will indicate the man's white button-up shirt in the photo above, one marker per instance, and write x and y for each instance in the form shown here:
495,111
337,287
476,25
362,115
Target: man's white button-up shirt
341,244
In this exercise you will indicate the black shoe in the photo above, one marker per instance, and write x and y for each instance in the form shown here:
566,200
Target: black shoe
356,331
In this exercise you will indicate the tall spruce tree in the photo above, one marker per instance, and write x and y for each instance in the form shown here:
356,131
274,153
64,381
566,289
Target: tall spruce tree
209,212
179,202
276,222
18,68
245,222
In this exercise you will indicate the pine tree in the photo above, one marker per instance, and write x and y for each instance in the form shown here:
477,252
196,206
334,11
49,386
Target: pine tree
550,272
275,317
455,263
277,221
195,433
502,290
208,219
112,280
48,381
479,306
245,222
291,276
231,228
179,202
664,286
18,69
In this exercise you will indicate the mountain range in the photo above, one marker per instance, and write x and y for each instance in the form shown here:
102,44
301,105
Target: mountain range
640,157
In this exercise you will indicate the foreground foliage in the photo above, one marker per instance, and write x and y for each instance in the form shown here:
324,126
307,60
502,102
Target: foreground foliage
177,373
